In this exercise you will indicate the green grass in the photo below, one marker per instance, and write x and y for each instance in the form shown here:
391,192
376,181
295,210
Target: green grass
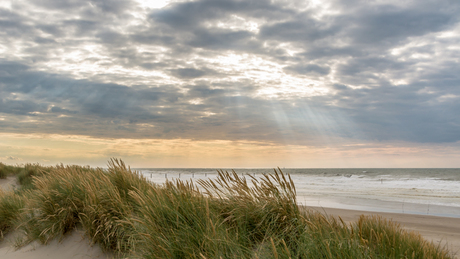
10,206
6,170
230,217
3,171
26,174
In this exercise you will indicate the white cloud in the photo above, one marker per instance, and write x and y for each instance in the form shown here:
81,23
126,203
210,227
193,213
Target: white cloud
153,4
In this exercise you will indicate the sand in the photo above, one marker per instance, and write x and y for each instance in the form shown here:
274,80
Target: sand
8,184
74,245
441,230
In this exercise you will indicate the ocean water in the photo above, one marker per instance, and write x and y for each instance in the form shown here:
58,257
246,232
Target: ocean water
411,191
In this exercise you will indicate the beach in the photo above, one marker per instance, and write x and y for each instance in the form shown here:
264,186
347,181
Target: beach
441,230
444,231
427,191
74,245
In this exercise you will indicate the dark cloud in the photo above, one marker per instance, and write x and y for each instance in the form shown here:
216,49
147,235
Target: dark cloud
330,52
80,27
390,24
300,29
19,107
187,25
112,6
308,69
216,39
381,113
187,15
192,73
39,90
44,41
188,73
160,74
368,70
13,25
59,110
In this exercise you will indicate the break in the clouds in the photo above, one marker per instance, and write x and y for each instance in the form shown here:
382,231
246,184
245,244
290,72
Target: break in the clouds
285,72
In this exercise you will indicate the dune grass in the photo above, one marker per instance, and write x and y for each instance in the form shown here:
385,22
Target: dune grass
6,170
230,217
10,206
3,171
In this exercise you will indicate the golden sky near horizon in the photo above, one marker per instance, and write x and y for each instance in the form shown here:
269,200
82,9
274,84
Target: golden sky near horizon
47,149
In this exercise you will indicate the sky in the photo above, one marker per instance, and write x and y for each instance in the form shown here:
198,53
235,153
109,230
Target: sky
230,83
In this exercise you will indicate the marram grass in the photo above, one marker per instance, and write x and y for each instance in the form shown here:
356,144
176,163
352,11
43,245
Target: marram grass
230,217
10,206
6,170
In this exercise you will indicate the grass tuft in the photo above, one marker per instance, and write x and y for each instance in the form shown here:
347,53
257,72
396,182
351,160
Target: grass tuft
6,170
229,217
10,206
3,171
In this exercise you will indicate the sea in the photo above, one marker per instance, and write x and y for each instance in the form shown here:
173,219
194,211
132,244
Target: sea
426,191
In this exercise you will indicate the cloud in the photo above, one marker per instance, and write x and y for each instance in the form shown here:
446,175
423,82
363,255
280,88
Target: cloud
390,24
115,110
273,71
188,73
110,6
308,69
190,14
303,29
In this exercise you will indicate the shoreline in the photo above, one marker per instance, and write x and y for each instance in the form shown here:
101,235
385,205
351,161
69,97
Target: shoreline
376,205
444,231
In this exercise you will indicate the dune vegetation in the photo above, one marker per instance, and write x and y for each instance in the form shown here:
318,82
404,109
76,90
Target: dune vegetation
229,217
6,170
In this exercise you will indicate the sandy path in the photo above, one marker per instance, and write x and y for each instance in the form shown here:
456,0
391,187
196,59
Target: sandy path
8,184
72,246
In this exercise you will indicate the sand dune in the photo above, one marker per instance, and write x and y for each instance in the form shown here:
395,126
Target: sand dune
440,230
72,246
